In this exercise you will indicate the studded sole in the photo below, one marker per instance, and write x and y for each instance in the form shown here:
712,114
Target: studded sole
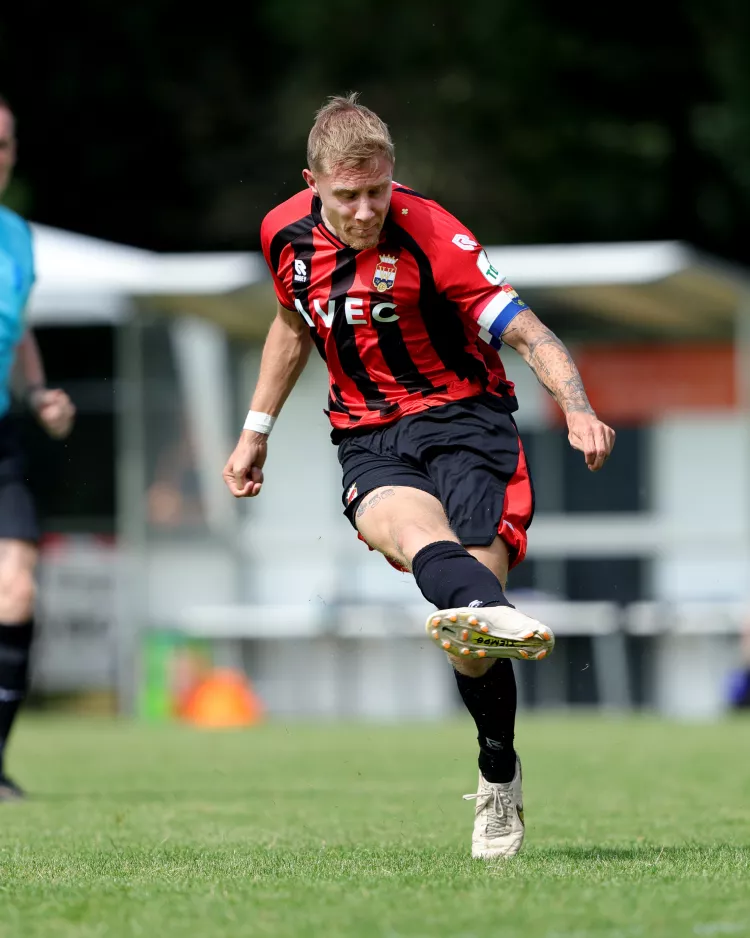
467,634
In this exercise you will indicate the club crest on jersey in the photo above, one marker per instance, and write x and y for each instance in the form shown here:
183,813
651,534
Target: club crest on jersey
385,273
351,494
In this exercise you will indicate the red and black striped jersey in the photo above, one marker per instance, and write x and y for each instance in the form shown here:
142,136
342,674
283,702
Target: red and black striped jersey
410,324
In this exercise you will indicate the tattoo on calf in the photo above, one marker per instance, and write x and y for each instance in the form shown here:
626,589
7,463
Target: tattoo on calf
372,501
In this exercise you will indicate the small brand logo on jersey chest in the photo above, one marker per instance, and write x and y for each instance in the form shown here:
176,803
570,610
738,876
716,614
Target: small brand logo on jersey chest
385,273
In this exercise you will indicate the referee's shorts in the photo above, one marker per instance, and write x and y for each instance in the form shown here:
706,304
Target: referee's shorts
18,518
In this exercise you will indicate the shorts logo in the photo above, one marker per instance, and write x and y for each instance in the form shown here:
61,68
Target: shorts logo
351,494
385,273
300,271
464,242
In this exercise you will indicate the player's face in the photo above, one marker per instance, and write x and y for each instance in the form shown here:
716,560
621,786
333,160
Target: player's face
7,147
355,201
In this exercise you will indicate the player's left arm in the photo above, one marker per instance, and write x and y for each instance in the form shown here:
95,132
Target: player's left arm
53,408
555,369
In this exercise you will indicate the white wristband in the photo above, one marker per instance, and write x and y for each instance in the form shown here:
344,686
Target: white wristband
259,422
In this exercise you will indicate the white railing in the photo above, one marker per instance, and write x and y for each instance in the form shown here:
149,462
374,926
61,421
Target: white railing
366,660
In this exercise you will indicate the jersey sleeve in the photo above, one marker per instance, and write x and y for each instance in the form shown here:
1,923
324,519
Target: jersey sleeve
273,256
466,277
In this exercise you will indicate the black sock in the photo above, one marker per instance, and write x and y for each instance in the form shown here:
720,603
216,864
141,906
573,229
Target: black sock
491,700
449,576
15,645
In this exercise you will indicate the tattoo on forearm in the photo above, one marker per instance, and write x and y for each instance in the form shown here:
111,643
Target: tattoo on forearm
553,365
372,501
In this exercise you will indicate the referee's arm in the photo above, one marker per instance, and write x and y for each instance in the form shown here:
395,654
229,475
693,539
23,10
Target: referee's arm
28,371
53,408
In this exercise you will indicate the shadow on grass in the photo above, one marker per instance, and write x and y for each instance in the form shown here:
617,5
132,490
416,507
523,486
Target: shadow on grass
648,853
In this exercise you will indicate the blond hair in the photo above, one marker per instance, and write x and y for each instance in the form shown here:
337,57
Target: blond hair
346,133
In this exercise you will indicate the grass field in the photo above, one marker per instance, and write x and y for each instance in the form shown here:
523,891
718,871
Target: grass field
635,827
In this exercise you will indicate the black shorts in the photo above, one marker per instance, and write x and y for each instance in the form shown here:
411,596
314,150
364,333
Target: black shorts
18,520
467,454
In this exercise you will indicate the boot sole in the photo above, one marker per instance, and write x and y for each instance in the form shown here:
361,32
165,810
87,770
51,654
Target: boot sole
470,633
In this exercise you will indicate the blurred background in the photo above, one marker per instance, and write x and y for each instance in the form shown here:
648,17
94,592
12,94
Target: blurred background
604,162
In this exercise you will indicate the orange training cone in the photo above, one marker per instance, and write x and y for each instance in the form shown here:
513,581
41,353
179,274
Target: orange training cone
223,698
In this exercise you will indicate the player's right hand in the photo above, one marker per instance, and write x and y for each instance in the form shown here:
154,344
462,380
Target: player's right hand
243,472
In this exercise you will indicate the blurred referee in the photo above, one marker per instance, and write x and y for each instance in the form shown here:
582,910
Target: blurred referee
20,364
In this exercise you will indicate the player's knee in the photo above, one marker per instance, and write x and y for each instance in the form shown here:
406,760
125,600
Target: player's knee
412,536
17,594
402,522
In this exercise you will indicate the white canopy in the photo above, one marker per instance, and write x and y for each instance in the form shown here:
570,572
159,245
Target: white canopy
82,279
660,285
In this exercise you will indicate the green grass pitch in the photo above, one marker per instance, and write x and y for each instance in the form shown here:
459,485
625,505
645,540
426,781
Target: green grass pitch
635,828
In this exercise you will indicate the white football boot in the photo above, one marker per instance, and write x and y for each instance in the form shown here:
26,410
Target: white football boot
498,822
490,632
